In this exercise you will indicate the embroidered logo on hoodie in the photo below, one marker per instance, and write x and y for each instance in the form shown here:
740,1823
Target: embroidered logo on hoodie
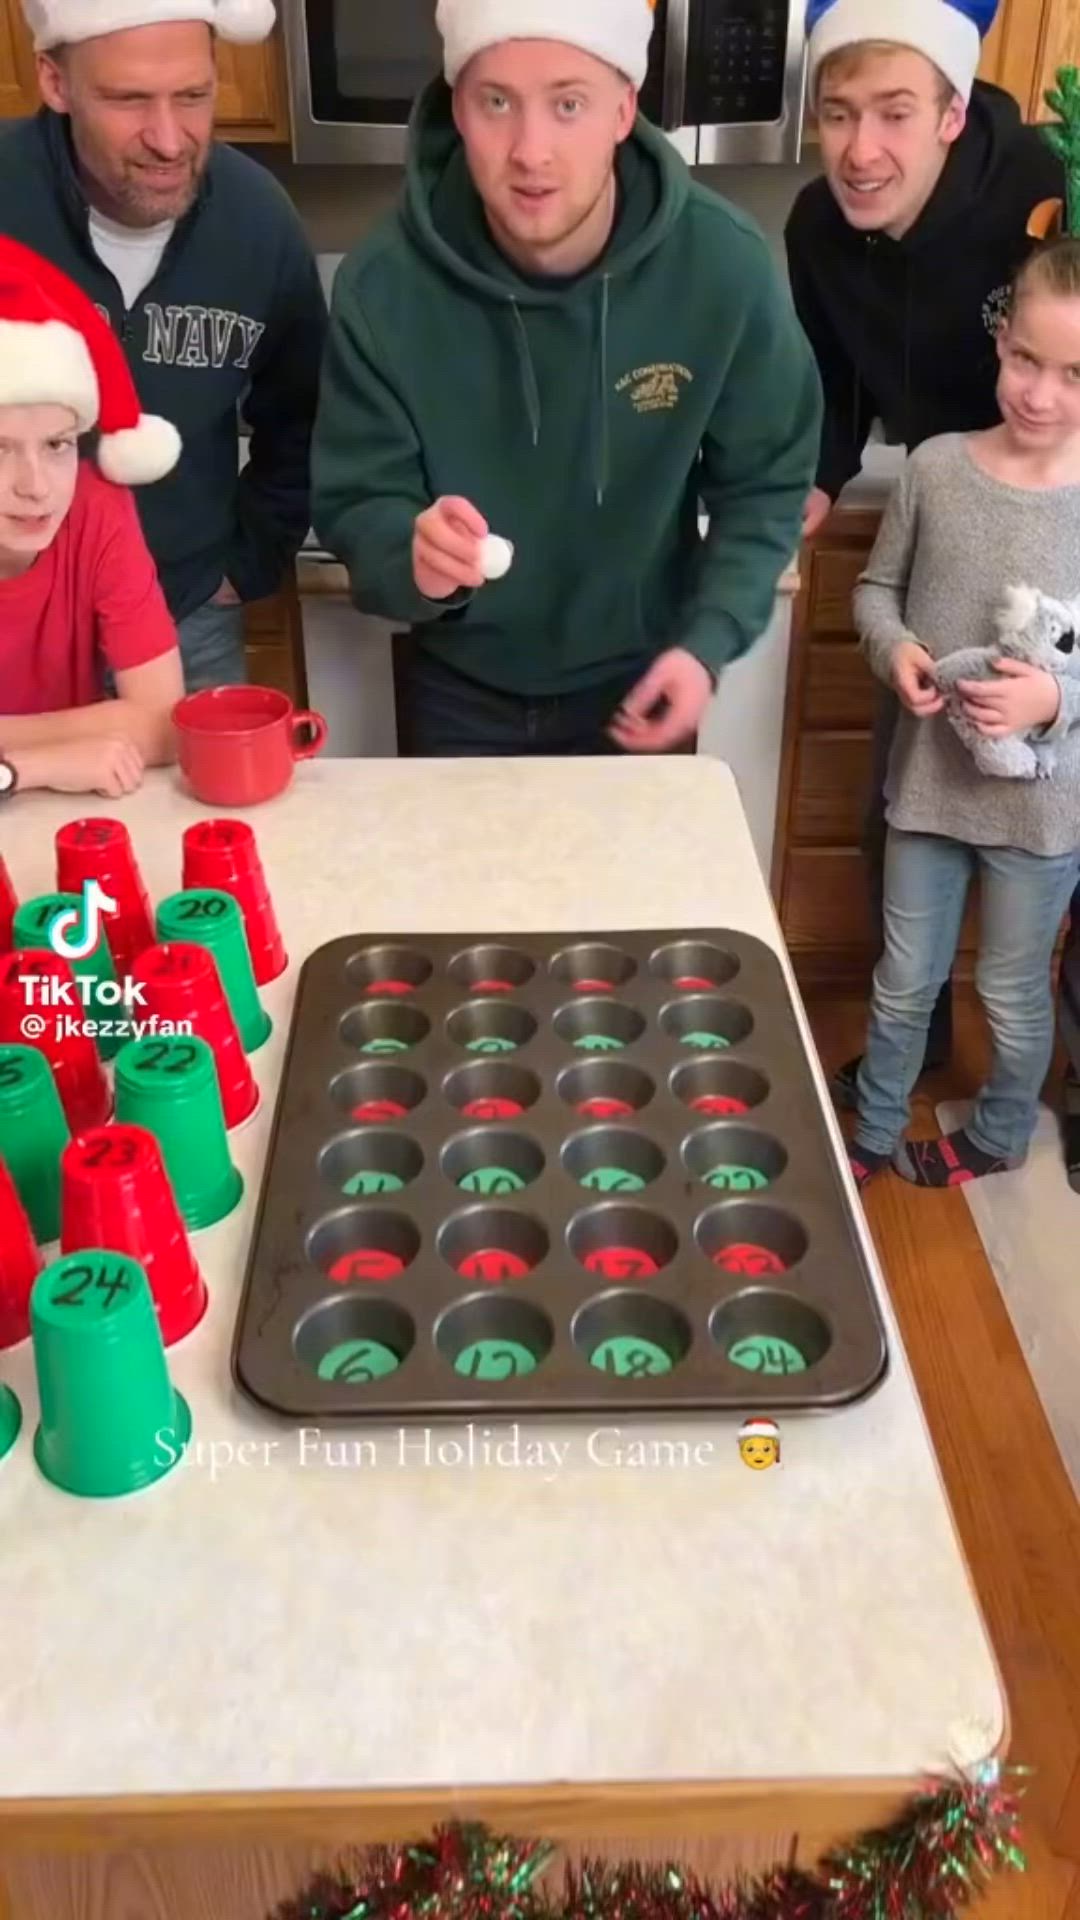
654,389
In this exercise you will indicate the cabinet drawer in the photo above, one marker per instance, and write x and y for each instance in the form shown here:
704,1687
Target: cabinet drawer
839,689
826,900
270,664
833,574
832,788
825,903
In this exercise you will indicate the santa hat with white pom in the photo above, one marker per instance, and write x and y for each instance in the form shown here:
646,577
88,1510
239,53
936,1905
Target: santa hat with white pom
948,32
59,23
57,350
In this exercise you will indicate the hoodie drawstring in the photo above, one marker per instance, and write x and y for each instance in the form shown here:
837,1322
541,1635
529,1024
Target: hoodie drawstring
600,434
601,425
528,373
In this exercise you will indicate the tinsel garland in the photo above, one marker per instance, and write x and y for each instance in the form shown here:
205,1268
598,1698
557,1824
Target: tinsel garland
935,1859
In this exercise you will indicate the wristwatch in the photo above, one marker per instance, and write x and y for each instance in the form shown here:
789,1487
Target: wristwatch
9,779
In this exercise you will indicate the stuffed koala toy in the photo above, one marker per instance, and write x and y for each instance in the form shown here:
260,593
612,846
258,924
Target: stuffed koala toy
1032,627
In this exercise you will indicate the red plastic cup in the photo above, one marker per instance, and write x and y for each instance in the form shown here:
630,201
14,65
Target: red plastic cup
9,902
101,850
181,985
115,1193
224,854
41,987
238,746
20,1263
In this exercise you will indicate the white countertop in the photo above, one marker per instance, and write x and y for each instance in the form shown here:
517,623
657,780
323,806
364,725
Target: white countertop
307,1625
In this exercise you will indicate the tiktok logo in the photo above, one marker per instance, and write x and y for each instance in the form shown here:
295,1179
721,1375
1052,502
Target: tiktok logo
74,933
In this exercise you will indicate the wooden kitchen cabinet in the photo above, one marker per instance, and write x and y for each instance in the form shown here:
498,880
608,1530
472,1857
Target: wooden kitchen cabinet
274,643
18,86
1029,41
253,98
253,101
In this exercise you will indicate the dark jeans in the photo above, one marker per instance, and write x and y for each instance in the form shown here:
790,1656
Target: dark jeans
939,1033
442,714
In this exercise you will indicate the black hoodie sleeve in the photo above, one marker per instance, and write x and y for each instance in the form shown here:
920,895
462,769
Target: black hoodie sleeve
273,498
849,412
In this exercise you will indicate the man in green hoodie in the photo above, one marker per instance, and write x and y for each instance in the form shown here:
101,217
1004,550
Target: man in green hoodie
550,357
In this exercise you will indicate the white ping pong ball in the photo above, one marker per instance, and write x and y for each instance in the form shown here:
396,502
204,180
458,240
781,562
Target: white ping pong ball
496,557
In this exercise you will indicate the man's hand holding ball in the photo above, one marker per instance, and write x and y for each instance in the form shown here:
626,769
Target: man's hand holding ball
453,551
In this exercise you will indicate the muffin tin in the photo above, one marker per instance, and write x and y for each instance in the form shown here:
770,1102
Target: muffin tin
528,1174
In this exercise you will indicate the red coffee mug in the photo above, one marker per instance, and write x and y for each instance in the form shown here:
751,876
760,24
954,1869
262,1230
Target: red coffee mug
238,745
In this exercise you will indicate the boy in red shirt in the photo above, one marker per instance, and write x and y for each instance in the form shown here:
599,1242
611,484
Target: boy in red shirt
79,593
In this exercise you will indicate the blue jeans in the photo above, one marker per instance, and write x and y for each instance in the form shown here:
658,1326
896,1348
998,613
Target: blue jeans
444,714
1023,898
212,647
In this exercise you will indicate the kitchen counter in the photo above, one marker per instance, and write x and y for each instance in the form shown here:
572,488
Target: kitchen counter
290,1617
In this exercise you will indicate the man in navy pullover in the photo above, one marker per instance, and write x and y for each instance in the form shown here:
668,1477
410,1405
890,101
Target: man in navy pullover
197,257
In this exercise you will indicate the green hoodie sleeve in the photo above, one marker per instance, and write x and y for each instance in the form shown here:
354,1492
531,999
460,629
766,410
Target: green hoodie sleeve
367,471
758,462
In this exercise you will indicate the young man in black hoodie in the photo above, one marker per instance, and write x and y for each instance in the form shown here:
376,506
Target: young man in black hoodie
899,259
197,258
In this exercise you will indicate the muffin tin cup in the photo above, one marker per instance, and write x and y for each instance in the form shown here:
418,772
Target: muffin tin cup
694,966
493,1338
368,1162
363,1244
613,1159
491,1027
439,1233
492,968
374,1095
492,1161
730,1158
770,1334
385,970
705,1023
620,1242
719,1088
381,1028
593,967
599,1026
493,1244
492,1091
606,1089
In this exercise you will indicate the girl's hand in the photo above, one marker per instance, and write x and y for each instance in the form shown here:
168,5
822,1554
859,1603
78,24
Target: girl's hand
913,678
1024,698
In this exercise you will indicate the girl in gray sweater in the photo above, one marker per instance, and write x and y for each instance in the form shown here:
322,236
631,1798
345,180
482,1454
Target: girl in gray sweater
973,515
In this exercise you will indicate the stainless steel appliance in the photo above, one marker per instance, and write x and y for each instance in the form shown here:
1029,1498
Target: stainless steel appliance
725,77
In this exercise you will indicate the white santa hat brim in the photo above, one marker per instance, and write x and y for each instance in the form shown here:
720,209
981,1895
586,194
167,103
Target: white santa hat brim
616,31
759,1430
932,27
49,365
57,23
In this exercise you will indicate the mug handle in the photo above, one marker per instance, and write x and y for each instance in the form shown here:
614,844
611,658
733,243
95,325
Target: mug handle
306,750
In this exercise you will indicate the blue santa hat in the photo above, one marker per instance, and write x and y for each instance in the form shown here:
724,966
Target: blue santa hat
948,32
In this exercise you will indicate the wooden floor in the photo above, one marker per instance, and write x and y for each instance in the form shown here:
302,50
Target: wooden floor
1012,1499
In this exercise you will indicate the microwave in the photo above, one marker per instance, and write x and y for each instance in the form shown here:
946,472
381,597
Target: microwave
725,80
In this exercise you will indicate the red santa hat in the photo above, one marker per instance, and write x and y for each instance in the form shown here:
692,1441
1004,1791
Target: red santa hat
759,1429
56,349
57,23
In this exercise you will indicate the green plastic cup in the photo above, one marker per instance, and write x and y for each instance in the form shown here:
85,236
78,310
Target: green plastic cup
105,1004
170,1087
213,919
10,1420
33,1134
111,1420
